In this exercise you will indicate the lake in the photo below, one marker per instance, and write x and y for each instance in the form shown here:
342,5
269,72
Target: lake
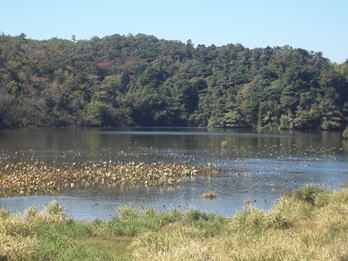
257,167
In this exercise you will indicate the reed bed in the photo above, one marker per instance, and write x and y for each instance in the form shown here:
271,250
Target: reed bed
40,178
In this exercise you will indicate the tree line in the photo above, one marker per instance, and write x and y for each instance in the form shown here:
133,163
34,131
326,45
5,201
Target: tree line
139,80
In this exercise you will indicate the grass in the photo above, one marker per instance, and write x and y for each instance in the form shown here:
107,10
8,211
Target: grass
118,248
307,224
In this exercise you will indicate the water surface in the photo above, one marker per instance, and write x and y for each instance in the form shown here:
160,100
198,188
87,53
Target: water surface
257,167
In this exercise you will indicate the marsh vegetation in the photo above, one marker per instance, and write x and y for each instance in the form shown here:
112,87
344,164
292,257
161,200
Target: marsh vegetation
307,224
38,178
256,167
209,195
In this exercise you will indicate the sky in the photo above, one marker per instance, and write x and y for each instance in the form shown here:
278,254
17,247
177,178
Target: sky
314,25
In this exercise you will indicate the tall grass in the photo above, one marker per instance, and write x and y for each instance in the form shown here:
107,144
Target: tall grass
308,224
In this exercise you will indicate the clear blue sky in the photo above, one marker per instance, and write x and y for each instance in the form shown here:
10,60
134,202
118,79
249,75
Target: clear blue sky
318,25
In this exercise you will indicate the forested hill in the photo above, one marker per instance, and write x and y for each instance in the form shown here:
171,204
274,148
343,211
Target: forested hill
141,80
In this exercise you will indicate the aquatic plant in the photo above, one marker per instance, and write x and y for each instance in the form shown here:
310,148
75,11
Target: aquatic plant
345,133
208,195
37,177
224,144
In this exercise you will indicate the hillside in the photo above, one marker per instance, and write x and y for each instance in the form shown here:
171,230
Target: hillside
144,81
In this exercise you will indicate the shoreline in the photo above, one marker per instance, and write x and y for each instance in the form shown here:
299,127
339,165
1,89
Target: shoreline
307,223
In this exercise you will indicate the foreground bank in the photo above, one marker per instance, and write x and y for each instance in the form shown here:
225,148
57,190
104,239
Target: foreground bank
309,224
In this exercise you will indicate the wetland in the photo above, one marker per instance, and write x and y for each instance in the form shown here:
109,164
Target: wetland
253,167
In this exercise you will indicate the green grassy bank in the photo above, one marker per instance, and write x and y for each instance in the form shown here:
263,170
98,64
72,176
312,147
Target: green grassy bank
308,224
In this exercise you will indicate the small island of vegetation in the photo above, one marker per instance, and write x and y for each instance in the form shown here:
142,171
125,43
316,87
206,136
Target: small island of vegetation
30,178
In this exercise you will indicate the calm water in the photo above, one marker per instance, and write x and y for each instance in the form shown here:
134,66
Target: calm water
257,167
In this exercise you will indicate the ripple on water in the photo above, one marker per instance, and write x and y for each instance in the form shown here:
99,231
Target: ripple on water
257,167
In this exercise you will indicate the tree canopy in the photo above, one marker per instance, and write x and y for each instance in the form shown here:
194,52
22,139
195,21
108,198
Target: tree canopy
141,80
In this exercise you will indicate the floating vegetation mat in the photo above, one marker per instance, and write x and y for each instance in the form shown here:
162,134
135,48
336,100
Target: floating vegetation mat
208,195
40,178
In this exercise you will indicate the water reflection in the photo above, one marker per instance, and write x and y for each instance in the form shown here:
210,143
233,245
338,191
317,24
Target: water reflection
258,167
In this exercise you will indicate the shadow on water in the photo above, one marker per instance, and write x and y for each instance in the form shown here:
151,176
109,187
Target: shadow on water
259,167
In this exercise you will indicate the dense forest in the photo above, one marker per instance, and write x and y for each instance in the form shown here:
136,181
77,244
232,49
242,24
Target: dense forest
139,80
